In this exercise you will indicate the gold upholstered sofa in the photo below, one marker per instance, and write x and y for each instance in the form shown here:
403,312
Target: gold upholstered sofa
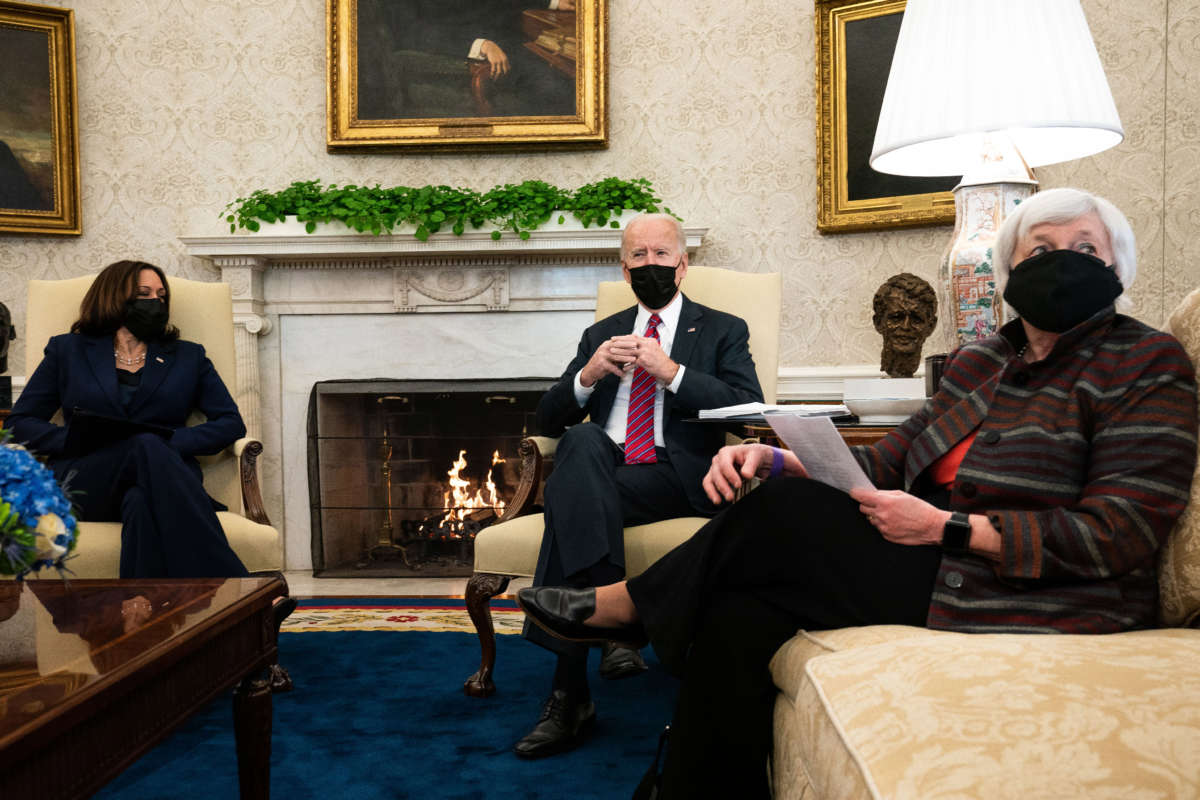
203,312
913,714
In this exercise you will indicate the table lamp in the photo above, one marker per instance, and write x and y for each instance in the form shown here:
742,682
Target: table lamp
988,89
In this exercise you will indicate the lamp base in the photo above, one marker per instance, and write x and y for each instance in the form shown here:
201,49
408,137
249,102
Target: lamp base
967,281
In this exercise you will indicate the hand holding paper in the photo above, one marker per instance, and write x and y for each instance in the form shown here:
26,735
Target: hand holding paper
821,449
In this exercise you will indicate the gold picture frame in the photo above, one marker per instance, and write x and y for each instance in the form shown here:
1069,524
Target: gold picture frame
39,133
397,83
855,42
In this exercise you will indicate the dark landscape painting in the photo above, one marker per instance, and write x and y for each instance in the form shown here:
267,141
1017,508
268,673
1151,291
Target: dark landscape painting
27,148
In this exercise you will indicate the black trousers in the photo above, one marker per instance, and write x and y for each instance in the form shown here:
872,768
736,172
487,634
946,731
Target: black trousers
792,554
169,528
589,499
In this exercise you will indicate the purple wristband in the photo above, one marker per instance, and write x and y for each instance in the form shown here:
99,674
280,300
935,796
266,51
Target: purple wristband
777,463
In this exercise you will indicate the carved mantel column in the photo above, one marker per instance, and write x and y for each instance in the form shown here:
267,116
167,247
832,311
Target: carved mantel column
244,274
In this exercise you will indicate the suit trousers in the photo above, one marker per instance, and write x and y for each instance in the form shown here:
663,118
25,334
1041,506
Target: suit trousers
589,499
169,528
792,554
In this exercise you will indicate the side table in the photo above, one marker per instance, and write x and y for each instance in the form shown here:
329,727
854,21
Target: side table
852,433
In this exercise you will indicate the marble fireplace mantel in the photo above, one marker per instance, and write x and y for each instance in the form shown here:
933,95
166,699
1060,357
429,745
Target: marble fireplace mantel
313,307
282,270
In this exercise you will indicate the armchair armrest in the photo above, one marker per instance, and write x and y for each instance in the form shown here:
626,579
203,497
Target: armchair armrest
247,452
536,452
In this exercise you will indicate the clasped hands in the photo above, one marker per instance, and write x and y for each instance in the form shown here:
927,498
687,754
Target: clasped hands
899,516
620,354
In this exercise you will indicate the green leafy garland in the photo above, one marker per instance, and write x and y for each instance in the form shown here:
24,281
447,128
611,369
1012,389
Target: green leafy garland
519,207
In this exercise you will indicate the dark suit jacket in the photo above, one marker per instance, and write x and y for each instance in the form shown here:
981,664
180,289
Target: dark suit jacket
79,372
712,345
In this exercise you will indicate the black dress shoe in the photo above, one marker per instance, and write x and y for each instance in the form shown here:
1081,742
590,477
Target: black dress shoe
563,725
561,610
618,662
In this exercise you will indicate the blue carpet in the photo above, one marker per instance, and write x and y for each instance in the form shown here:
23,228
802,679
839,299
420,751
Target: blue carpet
383,715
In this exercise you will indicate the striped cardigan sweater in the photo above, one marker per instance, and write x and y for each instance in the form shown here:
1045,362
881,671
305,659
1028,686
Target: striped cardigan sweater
1082,463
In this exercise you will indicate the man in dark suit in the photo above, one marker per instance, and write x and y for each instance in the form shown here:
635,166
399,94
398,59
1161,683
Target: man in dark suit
638,375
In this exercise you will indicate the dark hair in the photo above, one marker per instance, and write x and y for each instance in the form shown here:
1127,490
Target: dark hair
103,308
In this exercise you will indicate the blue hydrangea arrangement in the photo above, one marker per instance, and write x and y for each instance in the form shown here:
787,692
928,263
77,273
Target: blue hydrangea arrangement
37,528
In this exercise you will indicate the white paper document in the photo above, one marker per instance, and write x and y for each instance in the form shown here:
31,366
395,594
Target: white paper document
821,449
756,409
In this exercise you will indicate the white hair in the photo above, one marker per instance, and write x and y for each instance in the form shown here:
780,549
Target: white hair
1058,206
680,236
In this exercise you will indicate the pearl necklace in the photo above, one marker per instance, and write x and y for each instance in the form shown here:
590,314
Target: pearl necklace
129,362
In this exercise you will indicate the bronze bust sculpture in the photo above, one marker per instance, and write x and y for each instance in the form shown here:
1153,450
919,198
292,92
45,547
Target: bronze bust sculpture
905,314
7,333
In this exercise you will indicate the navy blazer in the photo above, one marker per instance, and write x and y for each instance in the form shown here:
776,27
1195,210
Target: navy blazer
713,345
78,371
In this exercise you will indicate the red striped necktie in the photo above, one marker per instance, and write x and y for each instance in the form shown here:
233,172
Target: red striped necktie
639,429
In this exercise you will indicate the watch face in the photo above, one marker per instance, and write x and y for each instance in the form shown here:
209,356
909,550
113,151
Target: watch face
956,536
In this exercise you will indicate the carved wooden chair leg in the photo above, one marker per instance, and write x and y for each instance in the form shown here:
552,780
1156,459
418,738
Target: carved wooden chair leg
481,589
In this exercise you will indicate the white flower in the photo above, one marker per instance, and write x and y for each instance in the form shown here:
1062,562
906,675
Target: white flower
49,528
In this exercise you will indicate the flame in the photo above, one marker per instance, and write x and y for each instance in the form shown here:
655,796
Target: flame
457,500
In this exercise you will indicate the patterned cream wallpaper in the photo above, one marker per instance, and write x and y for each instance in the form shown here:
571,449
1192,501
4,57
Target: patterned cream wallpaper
186,104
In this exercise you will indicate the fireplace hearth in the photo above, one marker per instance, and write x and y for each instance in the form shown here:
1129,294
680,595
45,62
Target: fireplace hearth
404,473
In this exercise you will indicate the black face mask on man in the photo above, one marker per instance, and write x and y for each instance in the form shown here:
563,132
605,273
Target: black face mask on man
653,284
1057,290
146,317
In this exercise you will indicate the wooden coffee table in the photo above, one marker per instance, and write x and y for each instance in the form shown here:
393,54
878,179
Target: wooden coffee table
96,672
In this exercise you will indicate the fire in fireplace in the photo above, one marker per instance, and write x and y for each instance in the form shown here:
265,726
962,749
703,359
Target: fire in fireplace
465,513
404,474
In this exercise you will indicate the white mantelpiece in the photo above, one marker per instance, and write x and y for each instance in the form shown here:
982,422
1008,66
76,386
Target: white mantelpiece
310,307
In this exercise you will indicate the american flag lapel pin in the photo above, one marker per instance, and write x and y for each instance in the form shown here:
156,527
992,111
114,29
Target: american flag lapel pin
159,359
691,330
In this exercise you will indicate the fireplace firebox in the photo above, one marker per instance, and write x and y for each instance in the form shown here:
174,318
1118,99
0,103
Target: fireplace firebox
404,473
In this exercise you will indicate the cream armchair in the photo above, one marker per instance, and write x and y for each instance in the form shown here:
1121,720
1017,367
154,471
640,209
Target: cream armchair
911,714
204,313
509,548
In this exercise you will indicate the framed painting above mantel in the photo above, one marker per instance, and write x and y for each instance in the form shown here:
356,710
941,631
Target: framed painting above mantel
39,137
855,42
466,75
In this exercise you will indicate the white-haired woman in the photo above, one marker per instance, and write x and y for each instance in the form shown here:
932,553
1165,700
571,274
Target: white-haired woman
1031,493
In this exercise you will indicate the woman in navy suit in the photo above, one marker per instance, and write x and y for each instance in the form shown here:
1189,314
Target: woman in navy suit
123,361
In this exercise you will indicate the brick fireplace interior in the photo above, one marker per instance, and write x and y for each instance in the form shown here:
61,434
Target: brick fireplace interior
404,473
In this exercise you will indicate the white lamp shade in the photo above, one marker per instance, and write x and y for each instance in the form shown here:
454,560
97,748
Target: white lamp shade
964,69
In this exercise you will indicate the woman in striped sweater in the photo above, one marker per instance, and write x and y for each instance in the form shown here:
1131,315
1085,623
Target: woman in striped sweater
1031,493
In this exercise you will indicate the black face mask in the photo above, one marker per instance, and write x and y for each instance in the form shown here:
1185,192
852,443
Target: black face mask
653,284
146,318
1056,291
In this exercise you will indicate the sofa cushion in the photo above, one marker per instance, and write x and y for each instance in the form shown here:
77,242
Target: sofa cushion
907,713
98,554
511,547
1179,563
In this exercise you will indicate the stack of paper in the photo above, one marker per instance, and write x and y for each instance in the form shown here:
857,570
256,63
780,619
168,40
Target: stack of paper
756,410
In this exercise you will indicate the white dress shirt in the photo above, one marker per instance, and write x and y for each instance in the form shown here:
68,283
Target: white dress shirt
615,427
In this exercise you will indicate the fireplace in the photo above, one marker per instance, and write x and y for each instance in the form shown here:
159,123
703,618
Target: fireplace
404,473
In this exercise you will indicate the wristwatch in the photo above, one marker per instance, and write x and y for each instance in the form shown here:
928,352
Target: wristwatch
956,536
